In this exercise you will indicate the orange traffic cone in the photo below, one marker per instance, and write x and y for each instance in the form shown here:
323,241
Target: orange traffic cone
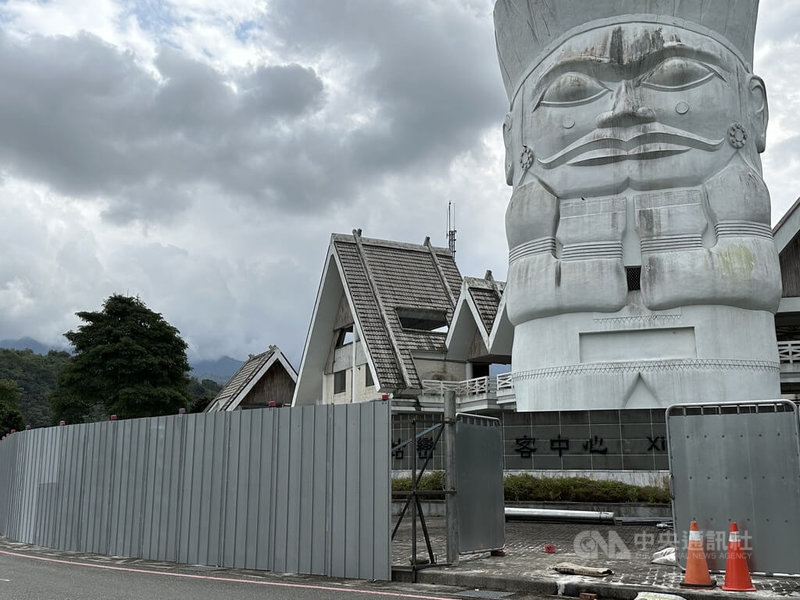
697,575
737,577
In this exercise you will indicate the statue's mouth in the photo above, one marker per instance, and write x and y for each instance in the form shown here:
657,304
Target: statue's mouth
642,152
602,147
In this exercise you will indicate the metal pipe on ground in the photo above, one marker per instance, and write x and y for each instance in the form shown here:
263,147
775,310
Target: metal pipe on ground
550,514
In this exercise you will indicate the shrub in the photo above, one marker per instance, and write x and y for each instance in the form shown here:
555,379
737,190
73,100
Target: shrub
433,481
528,488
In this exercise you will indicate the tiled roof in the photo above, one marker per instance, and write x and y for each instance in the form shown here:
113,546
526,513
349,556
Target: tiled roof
404,276
786,229
486,295
241,379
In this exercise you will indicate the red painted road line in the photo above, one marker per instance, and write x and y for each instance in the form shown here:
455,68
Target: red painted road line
228,579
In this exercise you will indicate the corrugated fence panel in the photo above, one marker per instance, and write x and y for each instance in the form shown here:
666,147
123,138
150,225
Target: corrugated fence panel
26,502
8,469
265,484
317,516
305,537
292,497
303,490
336,543
8,464
382,490
191,490
351,509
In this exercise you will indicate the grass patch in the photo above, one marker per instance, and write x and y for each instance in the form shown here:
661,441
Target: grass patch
527,488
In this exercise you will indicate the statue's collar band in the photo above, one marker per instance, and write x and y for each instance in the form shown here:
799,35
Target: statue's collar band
648,19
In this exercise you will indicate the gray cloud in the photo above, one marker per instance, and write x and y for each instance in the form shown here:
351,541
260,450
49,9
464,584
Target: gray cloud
435,86
217,184
89,120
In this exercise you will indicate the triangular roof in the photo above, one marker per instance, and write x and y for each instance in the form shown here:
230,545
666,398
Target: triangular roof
476,309
501,338
378,277
786,229
248,375
485,295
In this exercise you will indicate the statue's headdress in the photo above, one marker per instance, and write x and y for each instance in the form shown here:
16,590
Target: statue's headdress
528,30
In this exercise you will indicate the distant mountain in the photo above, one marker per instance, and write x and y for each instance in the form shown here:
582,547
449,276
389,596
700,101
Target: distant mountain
220,370
27,343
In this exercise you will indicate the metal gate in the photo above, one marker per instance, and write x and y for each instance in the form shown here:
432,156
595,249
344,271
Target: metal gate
479,481
738,462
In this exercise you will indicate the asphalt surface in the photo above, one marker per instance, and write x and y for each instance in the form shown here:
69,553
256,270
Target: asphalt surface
31,573
526,571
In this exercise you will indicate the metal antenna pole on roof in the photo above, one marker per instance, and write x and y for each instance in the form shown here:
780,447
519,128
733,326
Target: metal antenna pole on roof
451,227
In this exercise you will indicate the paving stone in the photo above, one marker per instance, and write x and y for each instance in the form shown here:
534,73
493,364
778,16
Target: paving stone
594,545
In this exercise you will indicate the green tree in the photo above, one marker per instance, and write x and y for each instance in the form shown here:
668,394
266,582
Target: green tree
10,415
202,393
36,375
128,361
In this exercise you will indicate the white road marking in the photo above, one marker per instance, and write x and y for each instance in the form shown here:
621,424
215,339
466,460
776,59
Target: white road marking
325,588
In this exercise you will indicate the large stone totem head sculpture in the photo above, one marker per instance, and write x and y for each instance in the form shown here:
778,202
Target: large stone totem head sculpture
642,269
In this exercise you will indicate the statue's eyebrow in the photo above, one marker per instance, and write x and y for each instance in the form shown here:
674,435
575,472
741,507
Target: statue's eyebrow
602,68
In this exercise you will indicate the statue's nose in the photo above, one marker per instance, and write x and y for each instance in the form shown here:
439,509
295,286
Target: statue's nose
626,109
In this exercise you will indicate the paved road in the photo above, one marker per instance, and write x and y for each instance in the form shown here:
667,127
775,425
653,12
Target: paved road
25,576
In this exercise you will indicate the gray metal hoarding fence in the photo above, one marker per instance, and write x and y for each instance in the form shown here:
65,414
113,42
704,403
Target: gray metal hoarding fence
303,490
738,462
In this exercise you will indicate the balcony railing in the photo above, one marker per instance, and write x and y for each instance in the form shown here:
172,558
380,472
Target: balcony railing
505,386
478,386
501,387
789,353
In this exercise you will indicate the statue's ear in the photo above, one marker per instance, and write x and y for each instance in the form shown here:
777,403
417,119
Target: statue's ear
509,161
758,109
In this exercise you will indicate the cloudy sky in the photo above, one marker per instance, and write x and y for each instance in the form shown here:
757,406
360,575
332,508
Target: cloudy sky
200,157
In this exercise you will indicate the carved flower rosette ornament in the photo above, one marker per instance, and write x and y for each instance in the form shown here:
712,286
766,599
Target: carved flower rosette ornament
737,136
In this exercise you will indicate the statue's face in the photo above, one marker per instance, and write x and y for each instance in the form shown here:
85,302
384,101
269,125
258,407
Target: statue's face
635,106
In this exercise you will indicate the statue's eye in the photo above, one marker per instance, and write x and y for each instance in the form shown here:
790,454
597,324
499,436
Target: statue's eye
678,74
572,88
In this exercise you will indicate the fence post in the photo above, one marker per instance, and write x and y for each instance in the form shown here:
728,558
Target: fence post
451,500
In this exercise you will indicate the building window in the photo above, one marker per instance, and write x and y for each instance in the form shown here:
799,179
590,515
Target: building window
340,382
345,336
423,319
368,381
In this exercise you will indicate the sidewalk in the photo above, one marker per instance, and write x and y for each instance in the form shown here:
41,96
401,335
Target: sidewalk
528,568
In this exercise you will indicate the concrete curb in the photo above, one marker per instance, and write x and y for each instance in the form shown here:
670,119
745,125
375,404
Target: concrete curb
568,586
541,586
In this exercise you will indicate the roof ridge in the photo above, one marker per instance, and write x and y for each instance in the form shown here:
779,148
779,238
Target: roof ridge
381,308
346,237
440,272
260,354
480,280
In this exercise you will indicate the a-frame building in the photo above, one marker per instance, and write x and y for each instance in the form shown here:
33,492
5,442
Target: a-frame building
264,380
380,322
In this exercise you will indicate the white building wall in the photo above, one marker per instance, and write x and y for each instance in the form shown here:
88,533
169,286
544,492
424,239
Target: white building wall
342,359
